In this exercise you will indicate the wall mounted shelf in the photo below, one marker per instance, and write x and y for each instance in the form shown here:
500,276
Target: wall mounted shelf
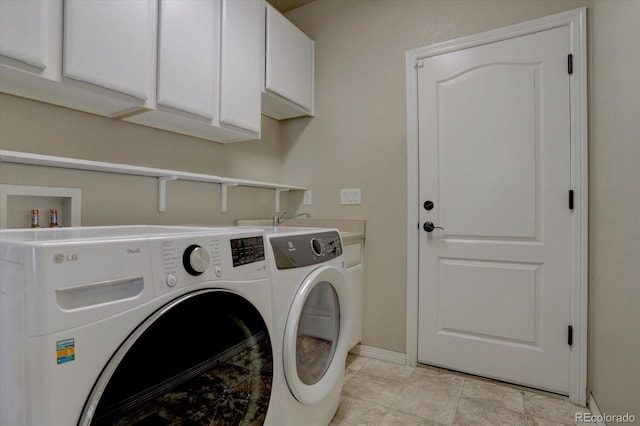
162,175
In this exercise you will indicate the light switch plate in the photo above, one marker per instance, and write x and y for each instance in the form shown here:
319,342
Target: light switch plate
307,198
350,196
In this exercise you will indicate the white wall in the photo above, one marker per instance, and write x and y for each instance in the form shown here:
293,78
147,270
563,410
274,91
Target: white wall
358,139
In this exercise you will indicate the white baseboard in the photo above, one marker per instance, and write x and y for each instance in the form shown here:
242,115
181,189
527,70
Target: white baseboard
381,354
595,410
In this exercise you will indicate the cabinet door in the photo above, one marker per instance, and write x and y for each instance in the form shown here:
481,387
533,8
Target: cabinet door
188,56
289,60
354,278
30,35
240,65
111,44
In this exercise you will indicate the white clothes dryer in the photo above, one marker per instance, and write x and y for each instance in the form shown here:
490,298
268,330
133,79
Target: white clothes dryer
311,298
135,325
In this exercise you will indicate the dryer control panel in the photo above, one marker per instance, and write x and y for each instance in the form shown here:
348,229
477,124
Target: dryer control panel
295,251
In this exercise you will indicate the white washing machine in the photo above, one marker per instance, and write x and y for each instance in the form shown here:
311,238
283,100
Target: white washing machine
135,325
311,298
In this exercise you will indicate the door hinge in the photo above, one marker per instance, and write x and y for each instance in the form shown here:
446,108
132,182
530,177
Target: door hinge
419,64
570,335
571,199
570,63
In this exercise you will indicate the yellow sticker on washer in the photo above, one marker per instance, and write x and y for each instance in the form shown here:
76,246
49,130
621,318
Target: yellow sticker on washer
65,350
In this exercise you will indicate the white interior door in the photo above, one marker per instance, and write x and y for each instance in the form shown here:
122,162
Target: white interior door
494,160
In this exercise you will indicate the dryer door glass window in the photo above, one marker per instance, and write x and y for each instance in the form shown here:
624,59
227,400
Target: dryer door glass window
317,334
203,359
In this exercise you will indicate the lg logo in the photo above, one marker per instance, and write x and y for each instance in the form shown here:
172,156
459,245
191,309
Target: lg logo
59,258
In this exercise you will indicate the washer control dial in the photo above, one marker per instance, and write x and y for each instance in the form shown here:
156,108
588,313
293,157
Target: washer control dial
196,260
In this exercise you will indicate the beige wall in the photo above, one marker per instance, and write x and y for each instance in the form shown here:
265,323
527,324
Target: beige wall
614,206
360,132
109,199
358,139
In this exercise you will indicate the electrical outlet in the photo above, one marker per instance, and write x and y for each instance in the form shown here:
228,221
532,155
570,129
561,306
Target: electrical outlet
307,198
350,196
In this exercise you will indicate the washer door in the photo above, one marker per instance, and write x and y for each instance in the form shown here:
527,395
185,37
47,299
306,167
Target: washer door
204,358
315,335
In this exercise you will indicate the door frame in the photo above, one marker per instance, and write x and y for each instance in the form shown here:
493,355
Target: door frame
575,20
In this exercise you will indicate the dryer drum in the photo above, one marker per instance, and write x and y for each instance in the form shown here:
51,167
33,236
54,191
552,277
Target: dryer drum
203,359
317,333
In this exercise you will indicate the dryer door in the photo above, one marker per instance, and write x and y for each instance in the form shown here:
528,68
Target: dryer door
204,358
315,343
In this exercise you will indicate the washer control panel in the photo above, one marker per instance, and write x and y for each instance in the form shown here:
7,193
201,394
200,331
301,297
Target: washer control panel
295,251
247,250
179,256
185,260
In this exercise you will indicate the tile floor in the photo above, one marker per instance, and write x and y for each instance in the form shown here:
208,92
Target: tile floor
383,393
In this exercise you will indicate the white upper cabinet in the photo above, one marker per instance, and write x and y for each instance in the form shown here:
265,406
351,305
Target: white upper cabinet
289,68
30,36
188,66
240,60
188,56
108,65
208,70
111,44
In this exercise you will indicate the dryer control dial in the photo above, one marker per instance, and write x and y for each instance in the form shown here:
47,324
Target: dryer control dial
316,246
196,260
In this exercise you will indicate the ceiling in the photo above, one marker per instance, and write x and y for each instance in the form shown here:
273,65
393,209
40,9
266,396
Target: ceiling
286,5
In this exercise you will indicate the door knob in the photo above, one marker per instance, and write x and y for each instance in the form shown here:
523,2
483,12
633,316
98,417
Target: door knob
429,227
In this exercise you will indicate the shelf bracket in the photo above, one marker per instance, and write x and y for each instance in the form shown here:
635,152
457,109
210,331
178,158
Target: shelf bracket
162,191
278,191
223,195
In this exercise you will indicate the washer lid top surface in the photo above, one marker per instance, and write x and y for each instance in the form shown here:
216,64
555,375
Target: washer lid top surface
107,232
12,240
